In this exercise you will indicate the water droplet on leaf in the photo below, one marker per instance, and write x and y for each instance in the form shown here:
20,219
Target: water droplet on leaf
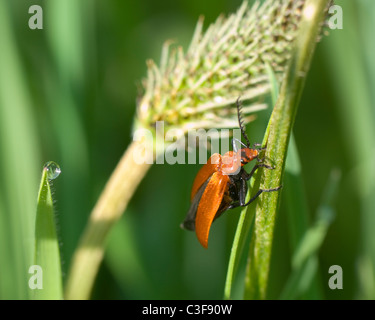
53,170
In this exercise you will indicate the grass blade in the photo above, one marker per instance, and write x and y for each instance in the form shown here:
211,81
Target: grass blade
277,145
242,231
247,216
295,196
47,254
19,150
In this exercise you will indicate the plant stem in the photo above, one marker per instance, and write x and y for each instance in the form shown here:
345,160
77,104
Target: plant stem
109,208
281,125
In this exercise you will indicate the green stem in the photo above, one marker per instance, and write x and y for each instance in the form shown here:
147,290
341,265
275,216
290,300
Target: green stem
277,145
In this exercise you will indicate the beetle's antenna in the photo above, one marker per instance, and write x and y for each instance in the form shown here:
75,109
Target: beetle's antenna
240,121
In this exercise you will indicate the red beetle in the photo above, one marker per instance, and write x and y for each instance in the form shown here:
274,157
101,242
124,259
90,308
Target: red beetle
221,184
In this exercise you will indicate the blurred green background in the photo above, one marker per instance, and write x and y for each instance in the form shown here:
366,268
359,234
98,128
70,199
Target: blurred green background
68,94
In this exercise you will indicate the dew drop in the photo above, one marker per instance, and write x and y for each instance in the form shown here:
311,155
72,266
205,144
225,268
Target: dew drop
53,170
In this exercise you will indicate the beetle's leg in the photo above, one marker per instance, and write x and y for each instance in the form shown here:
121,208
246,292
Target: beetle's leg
261,159
243,191
241,195
247,176
259,193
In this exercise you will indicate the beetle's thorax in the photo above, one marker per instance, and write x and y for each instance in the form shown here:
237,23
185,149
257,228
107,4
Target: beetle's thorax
231,161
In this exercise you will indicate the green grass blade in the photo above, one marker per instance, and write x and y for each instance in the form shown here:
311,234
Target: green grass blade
295,196
277,145
242,231
19,158
247,216
47,254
